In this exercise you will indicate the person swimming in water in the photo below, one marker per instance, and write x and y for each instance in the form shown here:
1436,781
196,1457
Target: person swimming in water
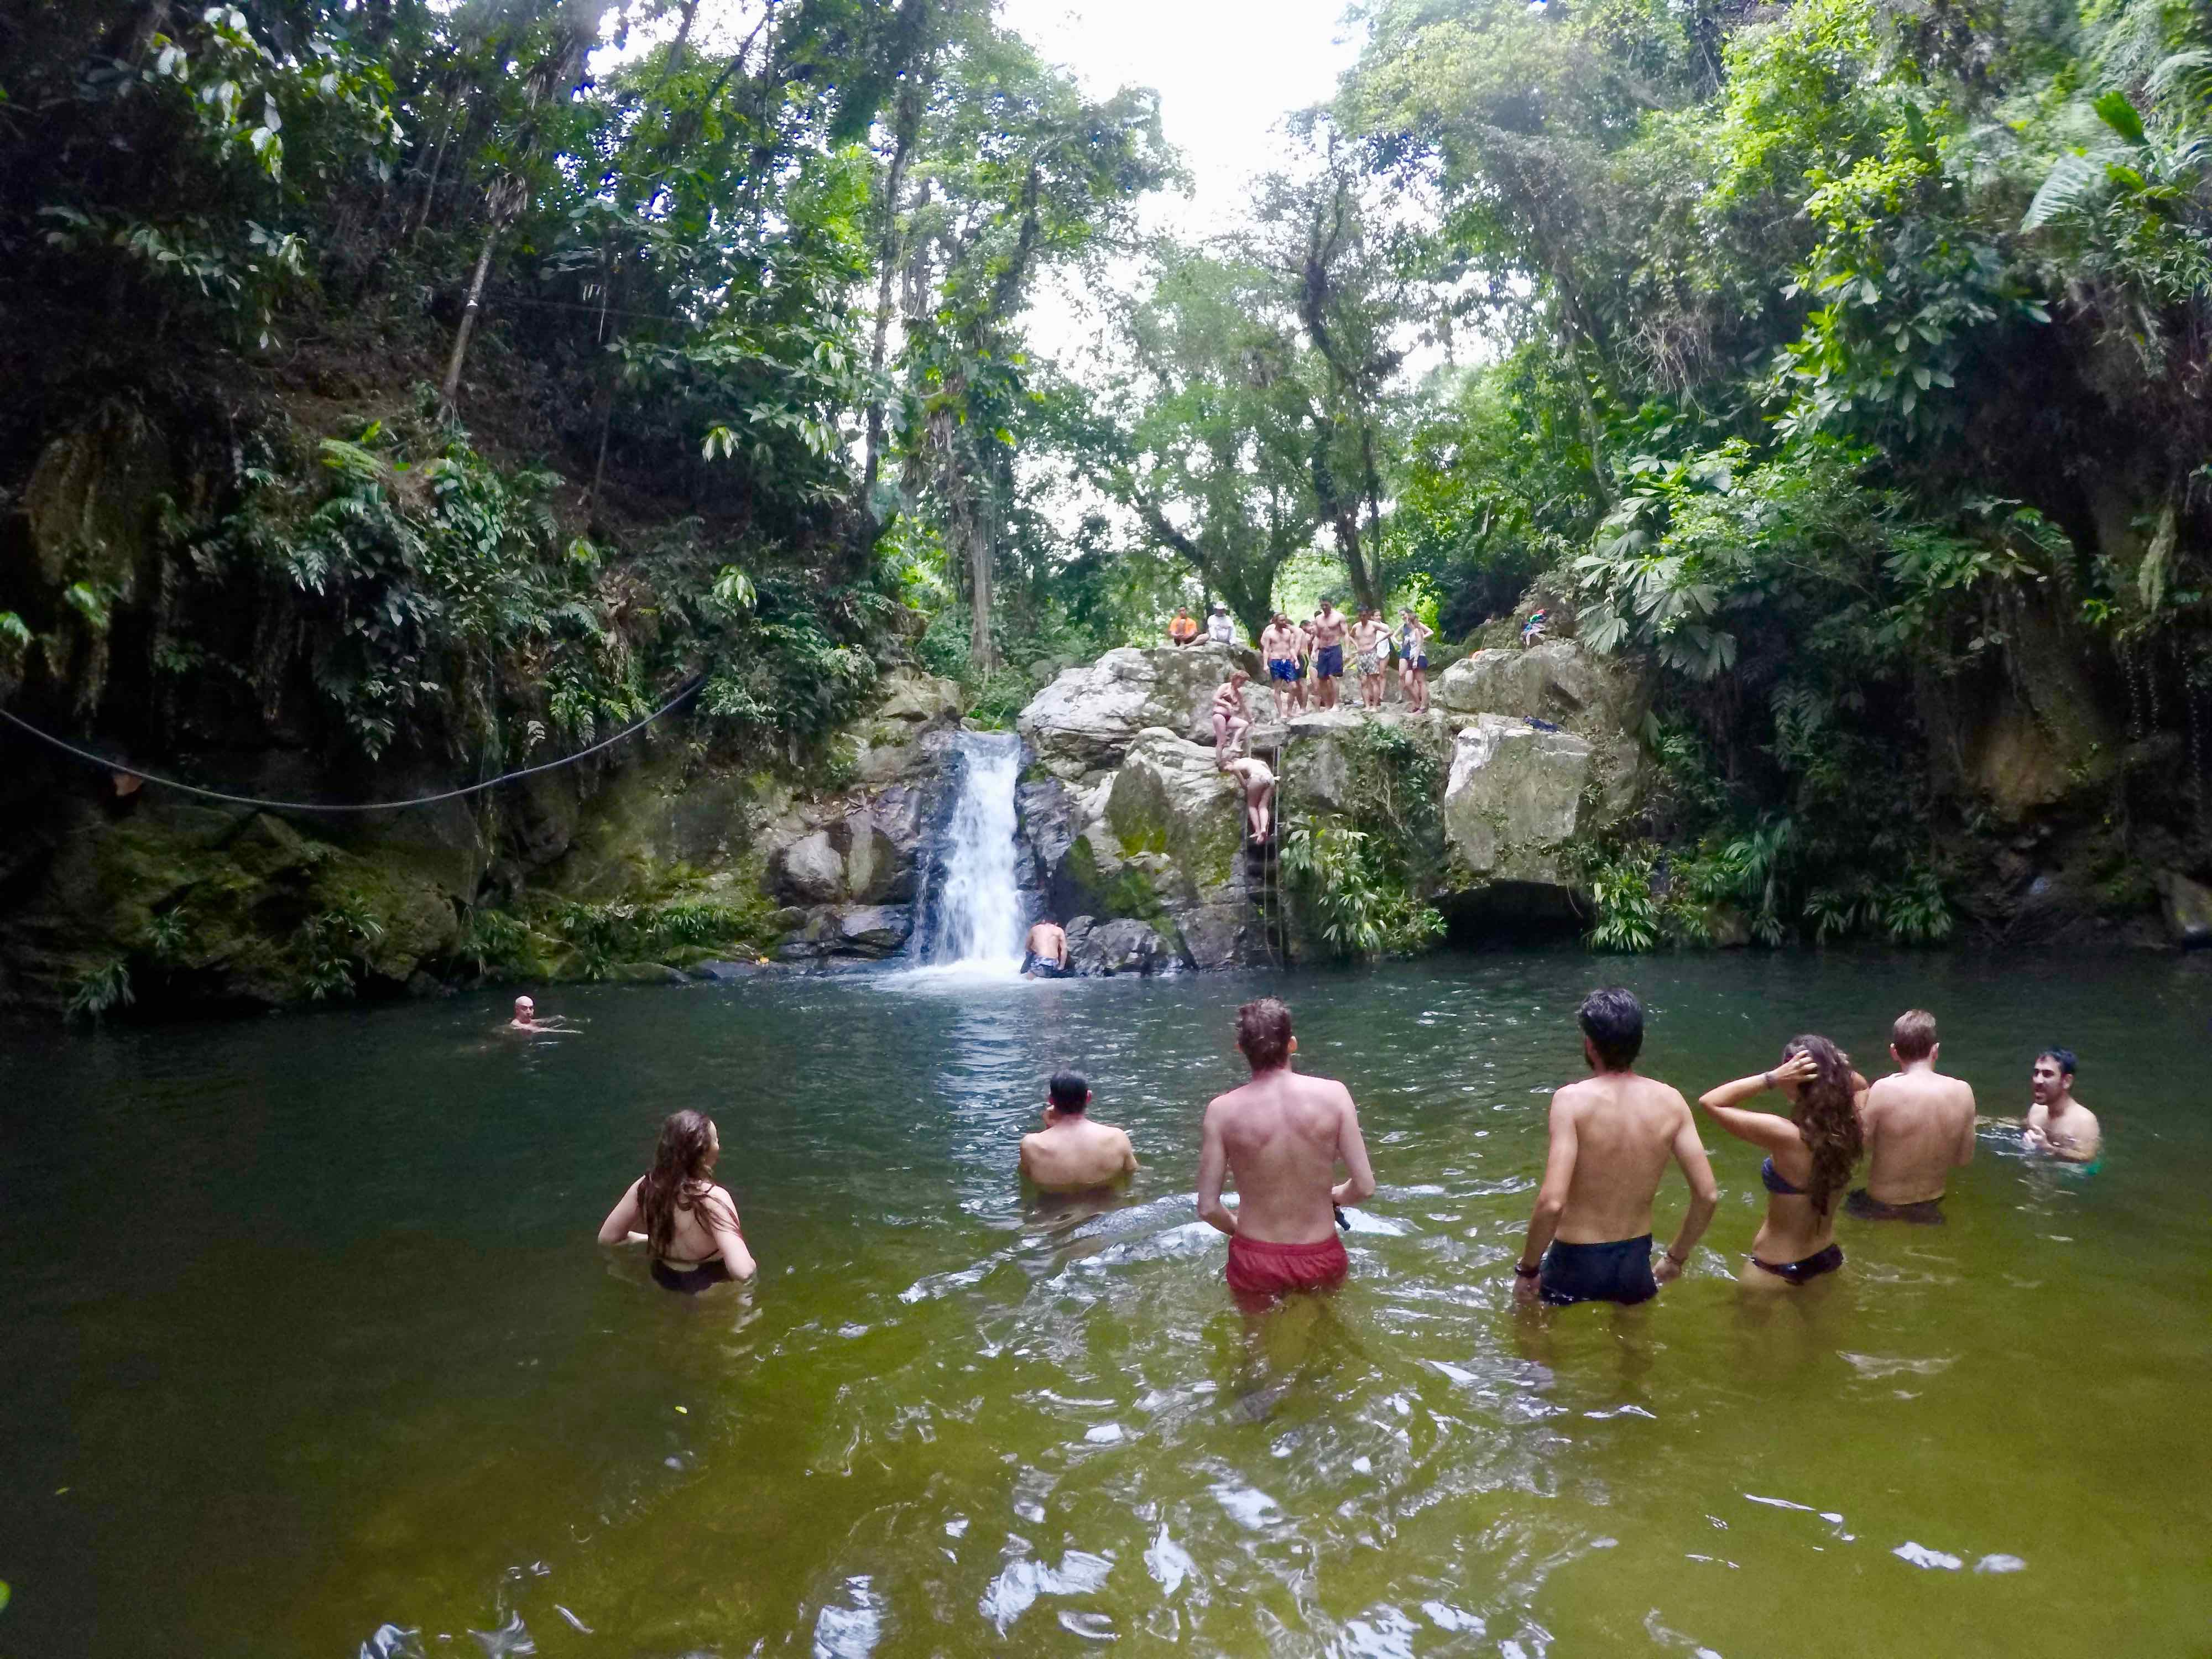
525,1018
1810,1155
688,1225
1073,1153
2058,1125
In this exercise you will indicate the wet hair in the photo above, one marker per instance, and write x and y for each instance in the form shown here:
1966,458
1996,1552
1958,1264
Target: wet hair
1263,1032
1827,1115
1613,1019
1067,1092
1913,1037
677,1180
2063,1056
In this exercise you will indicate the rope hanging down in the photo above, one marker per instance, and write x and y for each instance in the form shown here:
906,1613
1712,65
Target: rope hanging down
107,765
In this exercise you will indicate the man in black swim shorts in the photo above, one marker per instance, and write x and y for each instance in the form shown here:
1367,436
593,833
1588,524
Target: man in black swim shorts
1611,1134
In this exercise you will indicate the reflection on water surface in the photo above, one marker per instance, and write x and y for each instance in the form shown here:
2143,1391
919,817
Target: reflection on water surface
308,1337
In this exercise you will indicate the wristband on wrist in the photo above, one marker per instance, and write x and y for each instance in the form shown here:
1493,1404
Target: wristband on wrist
1522,1270
1766,1079
1679,1261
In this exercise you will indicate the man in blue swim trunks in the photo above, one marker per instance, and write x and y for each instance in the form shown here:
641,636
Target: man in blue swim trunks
1613,1135
1329,630
1280,646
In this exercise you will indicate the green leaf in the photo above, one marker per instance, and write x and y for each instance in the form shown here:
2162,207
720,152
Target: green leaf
2117,113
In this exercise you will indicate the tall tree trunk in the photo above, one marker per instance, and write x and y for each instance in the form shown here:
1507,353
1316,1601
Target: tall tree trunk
911,98
449,393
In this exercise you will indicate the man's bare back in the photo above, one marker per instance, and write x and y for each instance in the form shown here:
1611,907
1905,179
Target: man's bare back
1074,1155
1626,1129
1919,1125
1280,1137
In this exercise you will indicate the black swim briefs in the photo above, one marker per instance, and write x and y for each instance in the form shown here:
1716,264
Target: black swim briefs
690,1280
1928,1211
1617,1272
1821,1262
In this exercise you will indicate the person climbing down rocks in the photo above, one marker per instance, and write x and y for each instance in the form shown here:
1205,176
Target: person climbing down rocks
1258,783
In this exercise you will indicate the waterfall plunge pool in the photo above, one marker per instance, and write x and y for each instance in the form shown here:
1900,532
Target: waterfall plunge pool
306,1335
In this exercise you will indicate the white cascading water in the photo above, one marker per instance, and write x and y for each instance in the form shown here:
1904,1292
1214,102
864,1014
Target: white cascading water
978,906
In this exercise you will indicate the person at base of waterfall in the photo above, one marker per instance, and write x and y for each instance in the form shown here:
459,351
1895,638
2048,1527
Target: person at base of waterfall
1370,639
1231,720
1330,628
1280,1138
1219,628
1919,1126
526,1020
2058,1125
1414,661
1072,1153
1810,1155
688,1225
1611,1134
1183,630
1258,783
1044,953
1280,647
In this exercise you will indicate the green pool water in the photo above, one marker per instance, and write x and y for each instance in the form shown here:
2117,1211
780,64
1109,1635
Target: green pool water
306,1334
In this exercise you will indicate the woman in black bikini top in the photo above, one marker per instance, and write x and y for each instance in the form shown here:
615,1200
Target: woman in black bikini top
688,1223
1809,1158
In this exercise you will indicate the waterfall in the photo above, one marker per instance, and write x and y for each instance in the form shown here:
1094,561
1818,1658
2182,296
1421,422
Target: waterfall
973,913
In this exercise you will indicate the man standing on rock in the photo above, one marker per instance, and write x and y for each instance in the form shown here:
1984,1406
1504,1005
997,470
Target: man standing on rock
1231,720
1045,954
1371,639
1280,647
1258,783
1328,628
1280,1137
1414,661
1589,1238
1919,1126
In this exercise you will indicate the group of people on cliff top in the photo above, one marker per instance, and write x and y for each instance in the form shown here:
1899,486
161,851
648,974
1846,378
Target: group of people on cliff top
1283,1135
1296,651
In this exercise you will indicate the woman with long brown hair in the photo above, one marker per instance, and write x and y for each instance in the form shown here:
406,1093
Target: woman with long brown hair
1809,1156
688,1223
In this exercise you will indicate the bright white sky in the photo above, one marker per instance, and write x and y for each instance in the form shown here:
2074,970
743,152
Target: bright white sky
1227,72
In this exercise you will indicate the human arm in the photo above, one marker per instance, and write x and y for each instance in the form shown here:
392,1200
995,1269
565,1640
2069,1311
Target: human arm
1705,1199
1129,1164
625,1218
1212,1169
1964,1152
721,1215
1358,1184
1765,1130
1023,1162
1551,1194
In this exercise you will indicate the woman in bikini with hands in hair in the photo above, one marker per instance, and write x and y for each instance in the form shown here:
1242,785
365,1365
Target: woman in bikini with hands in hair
1809,1156
688,1223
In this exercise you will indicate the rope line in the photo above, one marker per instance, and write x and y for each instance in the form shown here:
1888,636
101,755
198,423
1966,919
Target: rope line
107,765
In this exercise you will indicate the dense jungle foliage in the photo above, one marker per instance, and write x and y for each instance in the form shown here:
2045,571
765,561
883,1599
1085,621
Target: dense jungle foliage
444,386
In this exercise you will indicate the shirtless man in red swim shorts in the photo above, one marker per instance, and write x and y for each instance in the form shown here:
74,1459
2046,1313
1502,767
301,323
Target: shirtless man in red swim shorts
1281,1136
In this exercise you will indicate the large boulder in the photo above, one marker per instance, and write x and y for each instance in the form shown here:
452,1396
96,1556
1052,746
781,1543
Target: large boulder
865,857
1600,699
1084,721
1329,760
892,741
875,930
1515,798
810,871
2188,909
1097,949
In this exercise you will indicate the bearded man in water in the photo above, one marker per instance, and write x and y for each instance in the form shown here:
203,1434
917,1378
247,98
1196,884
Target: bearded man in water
2057,1124
1071,1153
1281,1137
1918,1126
1589,1238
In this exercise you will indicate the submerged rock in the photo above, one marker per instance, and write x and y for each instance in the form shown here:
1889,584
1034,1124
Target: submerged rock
1515,798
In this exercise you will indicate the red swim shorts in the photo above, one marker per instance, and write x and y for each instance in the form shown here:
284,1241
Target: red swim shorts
1258,1269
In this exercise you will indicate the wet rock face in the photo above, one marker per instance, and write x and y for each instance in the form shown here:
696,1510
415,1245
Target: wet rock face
1515,797
2187,907
1558,681
1087,718
1100,949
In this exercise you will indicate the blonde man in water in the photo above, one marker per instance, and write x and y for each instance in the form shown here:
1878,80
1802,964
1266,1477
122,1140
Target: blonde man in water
2058,1125
1280,1137
1072,1153
1919,1126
